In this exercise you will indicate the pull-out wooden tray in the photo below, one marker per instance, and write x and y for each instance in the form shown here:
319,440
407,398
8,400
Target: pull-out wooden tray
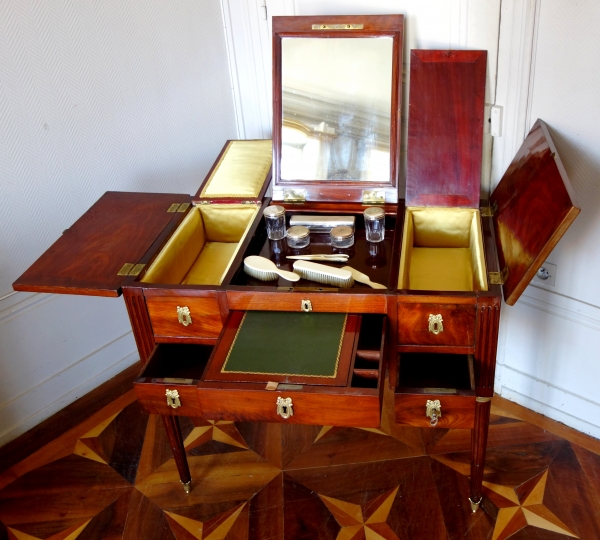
352,398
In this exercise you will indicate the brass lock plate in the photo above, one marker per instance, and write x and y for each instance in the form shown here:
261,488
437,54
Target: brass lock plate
285,407
184,316
173,398
433,410
436,324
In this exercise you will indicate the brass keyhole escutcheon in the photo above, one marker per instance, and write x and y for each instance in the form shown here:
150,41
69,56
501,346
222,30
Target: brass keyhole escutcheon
173,398
434,411
306,305
184,316
436,324
285,407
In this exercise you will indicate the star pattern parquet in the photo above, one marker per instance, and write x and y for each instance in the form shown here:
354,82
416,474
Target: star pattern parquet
114,478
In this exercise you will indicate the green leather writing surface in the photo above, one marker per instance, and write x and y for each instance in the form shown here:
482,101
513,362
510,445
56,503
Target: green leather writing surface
283,343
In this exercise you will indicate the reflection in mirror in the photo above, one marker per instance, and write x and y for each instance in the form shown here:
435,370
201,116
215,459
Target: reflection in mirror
336,108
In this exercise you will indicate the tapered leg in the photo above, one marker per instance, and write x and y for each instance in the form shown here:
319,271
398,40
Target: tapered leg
176,441
478,447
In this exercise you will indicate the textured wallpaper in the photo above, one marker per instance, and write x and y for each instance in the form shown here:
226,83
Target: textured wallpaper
129,95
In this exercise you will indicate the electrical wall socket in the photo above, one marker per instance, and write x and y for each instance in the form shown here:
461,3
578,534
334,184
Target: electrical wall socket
546,275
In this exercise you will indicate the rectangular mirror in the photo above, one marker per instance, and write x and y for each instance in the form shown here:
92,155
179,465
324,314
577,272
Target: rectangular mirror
336,108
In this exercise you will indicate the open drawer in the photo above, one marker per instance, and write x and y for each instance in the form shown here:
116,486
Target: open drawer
199,380
435,390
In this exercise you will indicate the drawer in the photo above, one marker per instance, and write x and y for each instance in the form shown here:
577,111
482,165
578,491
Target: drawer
352,398
456,411
436,324
172,368
425,378
184,316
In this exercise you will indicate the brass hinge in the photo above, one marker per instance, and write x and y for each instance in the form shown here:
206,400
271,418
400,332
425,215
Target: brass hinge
498,278
489,211
294,195
177,207
130,269
370,196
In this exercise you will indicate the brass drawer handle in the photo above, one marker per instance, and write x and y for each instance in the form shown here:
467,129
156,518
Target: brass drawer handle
173,398
285,407
436,324
184,316
433,411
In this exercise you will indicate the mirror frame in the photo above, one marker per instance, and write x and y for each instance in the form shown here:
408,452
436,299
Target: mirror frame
372,26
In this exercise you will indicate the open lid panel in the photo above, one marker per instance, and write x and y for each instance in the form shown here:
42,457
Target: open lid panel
336,108
102,248
241,172
445,128
533,205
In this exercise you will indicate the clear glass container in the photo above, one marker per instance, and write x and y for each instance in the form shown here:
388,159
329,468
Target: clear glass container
298,237
342,237
275,222
374,224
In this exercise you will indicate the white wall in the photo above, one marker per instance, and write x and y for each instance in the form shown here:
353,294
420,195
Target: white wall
94,96
549,357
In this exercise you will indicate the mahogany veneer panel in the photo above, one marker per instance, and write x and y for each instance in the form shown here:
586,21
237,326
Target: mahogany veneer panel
457,411
118,229
204,310
535,206
458,322
445,129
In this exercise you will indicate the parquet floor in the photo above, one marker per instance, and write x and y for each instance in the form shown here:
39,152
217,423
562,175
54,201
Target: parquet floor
113,477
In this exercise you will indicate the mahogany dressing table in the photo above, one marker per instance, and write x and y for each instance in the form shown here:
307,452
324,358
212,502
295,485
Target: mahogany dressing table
446,260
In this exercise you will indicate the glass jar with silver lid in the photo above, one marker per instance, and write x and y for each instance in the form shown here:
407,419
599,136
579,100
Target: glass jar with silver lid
298,237
374,224
275,222
342,237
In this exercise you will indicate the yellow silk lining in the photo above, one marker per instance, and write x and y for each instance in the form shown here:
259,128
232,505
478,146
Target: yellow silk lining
203,247
241,171
442,250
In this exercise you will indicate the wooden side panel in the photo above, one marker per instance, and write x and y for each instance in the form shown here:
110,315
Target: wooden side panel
457,326
204,312
535,206
140,322
118,229
445,129
457,411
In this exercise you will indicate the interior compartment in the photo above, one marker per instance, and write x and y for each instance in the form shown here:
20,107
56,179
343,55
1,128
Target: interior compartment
436,373
372,259
178,361
203,247
442,250
369,350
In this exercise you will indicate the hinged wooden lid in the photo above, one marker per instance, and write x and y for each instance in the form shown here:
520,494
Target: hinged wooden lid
445,128
91,256
241,173
534,204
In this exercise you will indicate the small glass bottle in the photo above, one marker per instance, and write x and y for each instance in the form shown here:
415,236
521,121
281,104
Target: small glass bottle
374,224
298,237
275,222
342,237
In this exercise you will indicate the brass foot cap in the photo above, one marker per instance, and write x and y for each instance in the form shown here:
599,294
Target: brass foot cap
475,505
187,486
